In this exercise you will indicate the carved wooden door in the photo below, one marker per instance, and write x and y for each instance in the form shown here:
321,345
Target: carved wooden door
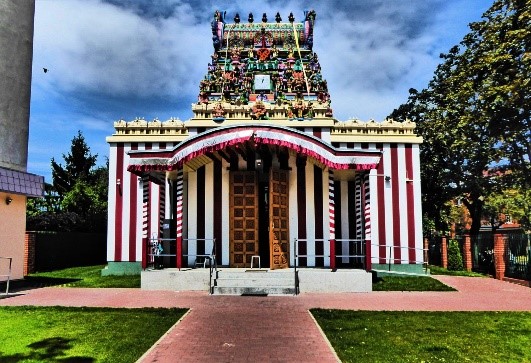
279,219
243,218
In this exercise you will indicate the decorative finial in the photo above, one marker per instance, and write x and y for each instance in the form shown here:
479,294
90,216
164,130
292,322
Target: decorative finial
264,18
278,18
291,18
251,18
237,18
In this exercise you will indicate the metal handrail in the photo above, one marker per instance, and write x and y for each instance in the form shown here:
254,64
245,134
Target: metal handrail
8,274
296,258
213,266
362,255
159,240
389,259
313,240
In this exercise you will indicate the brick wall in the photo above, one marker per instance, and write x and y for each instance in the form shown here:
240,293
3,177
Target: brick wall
29,252
500,242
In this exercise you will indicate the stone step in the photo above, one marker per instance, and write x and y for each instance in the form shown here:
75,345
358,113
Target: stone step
240,290
255,282
255,274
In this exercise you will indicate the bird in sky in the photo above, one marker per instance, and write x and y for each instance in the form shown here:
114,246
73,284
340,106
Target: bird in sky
45,70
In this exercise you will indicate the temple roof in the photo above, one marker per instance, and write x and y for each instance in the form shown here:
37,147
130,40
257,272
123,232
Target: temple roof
266,67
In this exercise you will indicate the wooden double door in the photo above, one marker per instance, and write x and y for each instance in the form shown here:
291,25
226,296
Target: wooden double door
259,219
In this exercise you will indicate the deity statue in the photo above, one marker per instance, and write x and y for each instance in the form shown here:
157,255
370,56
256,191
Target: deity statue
218,111
259,111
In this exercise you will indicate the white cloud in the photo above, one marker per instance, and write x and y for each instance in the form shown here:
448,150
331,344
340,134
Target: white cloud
96,47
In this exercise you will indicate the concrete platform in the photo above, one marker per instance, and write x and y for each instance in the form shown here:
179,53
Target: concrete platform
231,280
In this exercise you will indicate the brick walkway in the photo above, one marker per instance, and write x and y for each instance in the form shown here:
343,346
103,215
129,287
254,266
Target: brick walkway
272,329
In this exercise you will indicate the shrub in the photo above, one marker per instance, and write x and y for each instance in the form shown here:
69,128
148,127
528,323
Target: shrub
455,260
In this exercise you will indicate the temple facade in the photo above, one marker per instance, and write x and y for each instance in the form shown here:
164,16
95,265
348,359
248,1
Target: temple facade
263,171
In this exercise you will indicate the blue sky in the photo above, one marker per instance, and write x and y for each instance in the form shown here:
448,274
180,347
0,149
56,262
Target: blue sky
115,59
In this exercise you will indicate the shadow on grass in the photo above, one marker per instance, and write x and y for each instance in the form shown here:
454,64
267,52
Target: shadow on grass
47,350
34,282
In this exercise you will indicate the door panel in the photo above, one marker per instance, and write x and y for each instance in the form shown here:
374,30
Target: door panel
243,218
279,219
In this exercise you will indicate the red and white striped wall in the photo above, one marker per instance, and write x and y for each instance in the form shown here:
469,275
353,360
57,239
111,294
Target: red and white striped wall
136,207
381,205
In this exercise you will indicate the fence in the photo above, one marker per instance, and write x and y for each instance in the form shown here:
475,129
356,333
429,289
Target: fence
518,256
434,250
58,250
498,254
482,251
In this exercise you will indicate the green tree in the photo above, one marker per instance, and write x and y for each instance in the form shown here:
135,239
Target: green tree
78,166
455,260
77,199
89,200
475,113
510,203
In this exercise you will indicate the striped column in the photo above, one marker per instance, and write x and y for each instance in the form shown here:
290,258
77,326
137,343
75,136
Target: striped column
179,222
145,219
359,207
162,207
367,218
331,211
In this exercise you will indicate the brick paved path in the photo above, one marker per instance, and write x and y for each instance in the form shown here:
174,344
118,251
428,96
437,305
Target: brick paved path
272,329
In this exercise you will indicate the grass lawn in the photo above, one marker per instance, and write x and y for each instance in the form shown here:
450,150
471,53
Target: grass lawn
89,276
377,336
61,334
408,283
436,270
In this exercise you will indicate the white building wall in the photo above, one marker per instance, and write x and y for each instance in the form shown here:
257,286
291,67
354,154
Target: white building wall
310,214
225,178
112,200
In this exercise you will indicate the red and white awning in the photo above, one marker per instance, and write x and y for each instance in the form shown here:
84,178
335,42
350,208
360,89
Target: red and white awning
223,137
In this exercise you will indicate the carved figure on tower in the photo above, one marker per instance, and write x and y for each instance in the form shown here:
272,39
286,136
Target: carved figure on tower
259,111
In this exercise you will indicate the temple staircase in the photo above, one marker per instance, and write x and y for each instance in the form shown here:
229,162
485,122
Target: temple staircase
254,282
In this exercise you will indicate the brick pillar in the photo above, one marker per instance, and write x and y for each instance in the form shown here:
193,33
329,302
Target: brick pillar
467,253
29,253
499,256
444,252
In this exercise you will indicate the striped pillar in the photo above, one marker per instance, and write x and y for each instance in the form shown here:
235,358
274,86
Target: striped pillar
358,207
179,222
331,210
146,212
162,207
367,217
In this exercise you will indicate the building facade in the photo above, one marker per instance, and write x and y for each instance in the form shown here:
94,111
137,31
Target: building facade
264,169
16,184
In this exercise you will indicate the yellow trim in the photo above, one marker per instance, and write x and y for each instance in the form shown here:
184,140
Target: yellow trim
300,58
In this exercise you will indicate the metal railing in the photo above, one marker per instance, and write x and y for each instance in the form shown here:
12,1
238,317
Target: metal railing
482,253
200,258
8,275
357,254
295,260
213,266
157,252
518,256
306,240
159,248
392,260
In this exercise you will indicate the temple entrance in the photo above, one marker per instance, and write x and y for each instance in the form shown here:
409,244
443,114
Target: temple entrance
259,222
278,219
